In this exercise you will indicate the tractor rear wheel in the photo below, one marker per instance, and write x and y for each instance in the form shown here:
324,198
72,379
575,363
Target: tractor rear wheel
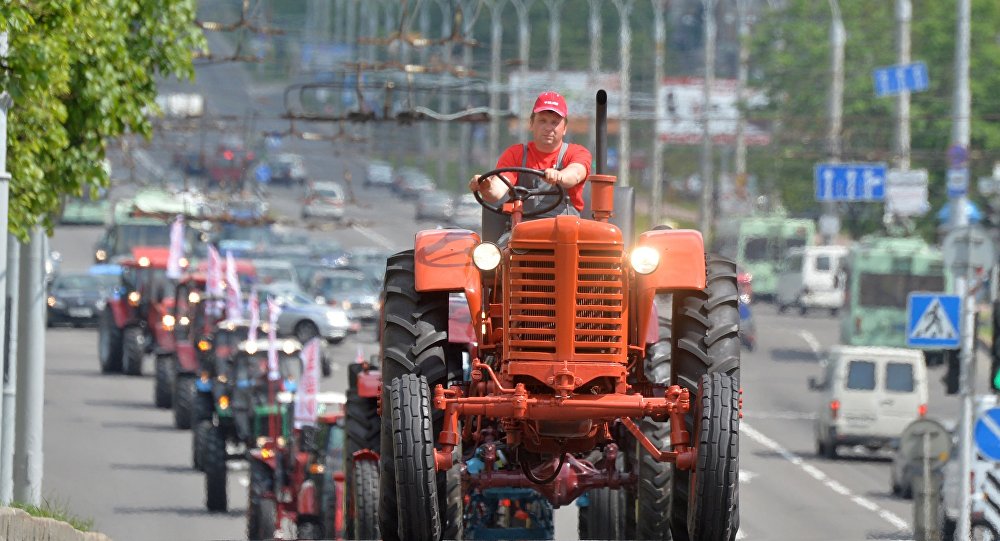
414,338
162,395
365,512
109,343
184,396
413,458
605,515
133,350
213,460
705,340
714,480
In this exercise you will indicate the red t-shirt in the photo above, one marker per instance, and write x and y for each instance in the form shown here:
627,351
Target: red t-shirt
513,157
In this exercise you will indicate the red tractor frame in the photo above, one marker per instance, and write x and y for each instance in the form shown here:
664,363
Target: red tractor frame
132,323
562,395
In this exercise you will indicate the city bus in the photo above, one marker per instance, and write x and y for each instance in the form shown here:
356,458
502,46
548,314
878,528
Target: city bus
880,273
758,245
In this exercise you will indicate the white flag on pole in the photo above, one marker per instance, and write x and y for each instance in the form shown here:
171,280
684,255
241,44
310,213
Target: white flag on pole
234,301
306,405
273,371
254,315
176,248
213,282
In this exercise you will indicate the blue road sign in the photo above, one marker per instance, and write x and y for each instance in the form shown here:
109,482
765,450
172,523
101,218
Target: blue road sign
900,78
932,320
987,434
850,181
958,182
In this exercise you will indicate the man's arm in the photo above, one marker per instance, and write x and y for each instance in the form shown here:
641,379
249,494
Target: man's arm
492,189
572,175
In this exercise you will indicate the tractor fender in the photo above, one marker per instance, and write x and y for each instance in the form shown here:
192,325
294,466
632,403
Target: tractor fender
307,498
187,358
164,339
120,310
369,383
443,262
365,454
682,267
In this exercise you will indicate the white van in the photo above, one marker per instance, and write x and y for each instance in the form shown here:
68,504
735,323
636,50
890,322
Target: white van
808,279
868,395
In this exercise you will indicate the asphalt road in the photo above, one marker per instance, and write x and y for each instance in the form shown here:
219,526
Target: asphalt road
111,456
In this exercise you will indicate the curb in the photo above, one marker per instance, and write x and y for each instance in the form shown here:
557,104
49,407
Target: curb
18,525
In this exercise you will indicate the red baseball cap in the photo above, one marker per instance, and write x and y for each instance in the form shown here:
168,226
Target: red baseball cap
551,101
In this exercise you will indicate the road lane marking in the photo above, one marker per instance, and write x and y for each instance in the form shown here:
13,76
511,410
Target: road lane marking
377,238
822,477
779,415
813,343
746,476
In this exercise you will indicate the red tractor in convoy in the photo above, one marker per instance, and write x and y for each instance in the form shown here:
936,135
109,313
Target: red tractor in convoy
560,391
132,323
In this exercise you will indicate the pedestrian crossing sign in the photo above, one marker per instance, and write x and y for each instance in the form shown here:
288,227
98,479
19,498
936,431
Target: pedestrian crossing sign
933,321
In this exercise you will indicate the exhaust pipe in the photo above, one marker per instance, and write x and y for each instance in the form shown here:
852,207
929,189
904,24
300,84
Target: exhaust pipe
601,118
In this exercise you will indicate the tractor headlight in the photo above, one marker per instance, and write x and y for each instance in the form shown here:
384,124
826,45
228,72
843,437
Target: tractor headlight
168,321
134,297
101,255
194,297
143,261
644,259
486,256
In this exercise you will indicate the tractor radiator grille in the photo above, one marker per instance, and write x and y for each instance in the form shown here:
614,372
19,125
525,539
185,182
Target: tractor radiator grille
598,327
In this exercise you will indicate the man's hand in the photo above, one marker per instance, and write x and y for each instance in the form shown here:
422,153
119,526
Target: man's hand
490,188
555,177
474,184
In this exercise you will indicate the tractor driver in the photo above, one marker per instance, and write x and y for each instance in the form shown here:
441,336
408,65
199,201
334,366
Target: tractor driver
565,164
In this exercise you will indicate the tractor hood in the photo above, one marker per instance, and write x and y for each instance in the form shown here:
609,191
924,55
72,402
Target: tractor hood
565,230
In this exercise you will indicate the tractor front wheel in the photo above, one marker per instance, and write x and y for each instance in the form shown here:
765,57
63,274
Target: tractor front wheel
413,458
705,341
364,515
109,343
199,435
362,431
162,392
184,396
133,350
713,498
604,516
213,460
309,530
260,517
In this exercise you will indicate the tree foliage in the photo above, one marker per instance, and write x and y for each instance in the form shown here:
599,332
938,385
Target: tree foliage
791,61
81,72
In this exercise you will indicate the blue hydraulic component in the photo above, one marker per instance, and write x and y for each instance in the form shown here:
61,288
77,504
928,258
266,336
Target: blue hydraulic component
508,513
583,500
475,465
203,385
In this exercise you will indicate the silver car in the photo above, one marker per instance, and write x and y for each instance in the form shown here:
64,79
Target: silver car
324,200
349,289
304,318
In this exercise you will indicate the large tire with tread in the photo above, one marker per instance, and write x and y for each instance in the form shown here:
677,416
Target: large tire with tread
259,525
362,427
605,516
414,338
109,343
213,460
413,457
202,407
199,436
365,513
310,530
163,381
714,484
184,396
705,340
652,500
133,350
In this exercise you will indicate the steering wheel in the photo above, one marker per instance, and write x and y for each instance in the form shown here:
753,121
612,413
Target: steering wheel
520,193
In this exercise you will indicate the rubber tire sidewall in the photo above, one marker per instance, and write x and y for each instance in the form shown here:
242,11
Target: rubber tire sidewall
213,460
714,487
109,355
413,458
163,382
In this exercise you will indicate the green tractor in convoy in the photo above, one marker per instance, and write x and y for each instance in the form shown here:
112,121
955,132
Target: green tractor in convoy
880,273
759,243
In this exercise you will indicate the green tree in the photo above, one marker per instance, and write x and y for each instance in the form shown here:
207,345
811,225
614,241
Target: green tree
81,72
791,59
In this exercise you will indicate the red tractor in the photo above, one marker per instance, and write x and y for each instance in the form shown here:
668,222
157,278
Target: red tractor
132,323
559,393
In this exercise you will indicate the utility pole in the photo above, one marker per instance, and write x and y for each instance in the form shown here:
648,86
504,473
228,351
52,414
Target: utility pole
594,26
659,109
442,129
29,421
5,104
496,40
838,39
904,14
555,7
960,128
523,7
625,104
10,375
707,218
741,82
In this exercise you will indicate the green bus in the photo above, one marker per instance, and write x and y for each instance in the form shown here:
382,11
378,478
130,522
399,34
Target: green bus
758,245
880,273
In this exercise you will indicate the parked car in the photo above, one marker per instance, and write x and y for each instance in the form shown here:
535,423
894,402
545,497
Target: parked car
324,200
868,395
349,289
288,169
468,213
275,271
77,299
305,318
378,174
434,205
410,182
